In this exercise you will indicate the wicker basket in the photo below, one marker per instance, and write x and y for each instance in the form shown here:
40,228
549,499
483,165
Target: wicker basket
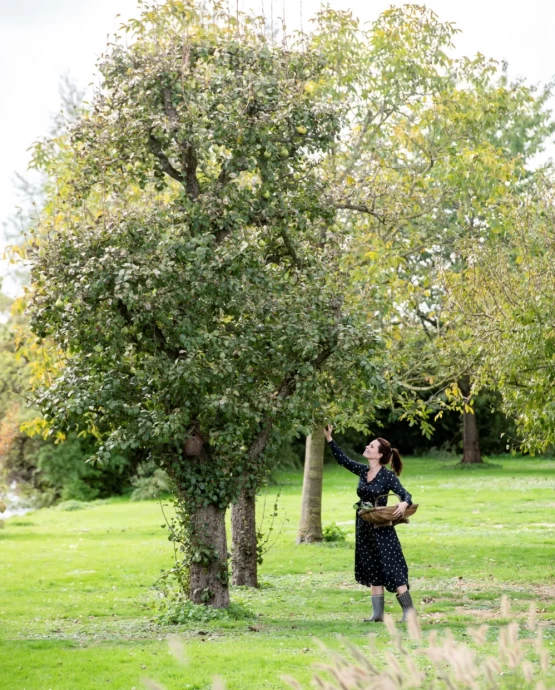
382,516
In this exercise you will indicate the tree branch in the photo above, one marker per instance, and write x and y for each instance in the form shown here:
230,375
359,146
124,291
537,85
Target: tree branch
286,389
190,162
159,337
362,208
189,155
167,167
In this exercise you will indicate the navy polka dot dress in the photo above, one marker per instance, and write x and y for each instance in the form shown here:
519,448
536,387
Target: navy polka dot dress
379,558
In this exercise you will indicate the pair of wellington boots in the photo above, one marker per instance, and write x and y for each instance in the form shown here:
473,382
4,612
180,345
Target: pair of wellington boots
378,606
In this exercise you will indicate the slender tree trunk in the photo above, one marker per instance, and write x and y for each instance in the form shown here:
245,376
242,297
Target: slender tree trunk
244,564
471,440
310,526
209,579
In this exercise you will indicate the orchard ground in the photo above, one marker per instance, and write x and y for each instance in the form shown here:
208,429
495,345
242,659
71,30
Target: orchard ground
76,597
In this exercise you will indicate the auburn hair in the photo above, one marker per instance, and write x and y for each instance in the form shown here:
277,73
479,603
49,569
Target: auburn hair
390,454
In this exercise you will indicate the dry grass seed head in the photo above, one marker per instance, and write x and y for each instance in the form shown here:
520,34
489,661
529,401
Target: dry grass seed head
359,656
478,634
544,660
532,620
528,671
390,625
505,607
416,676
152,684
177,648
394,668
493,668
462,661
539,639
413,625
218,683
293,682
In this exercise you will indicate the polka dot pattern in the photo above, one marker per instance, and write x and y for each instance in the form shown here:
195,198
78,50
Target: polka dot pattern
379,558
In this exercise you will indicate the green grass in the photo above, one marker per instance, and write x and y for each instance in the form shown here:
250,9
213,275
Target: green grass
76,598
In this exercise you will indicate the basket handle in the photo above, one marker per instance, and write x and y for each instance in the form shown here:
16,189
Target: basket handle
385,496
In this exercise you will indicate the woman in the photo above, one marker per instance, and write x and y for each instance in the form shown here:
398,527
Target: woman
379,560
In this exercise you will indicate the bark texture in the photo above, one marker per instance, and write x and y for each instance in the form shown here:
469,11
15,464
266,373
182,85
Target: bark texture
209,581
471,440
244,565
310,526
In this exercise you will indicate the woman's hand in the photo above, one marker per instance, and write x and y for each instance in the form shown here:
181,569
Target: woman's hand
400,510
327,432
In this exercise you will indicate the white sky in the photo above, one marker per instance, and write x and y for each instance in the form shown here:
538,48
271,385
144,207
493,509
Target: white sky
40,40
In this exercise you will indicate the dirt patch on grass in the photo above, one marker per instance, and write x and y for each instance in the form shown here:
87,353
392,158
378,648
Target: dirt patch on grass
482,614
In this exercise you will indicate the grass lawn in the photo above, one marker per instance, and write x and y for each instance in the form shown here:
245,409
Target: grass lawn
76,598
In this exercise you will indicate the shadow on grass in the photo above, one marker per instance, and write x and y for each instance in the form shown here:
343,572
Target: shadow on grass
470,466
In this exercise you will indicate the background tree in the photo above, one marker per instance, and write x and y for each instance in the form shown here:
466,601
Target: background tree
508,288
456,161
310,525
431,139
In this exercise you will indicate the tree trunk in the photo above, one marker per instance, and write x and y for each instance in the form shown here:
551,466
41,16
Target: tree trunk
244,565
310,526
471,440
209,578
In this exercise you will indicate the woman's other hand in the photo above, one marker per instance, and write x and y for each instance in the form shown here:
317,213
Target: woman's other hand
400,510
327,432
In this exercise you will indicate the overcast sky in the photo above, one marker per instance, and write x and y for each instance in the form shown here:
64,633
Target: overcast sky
40,40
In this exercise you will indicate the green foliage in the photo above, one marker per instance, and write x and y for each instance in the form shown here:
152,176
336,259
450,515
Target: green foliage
511,299
149,482
177,609
217,304
334,533
66,468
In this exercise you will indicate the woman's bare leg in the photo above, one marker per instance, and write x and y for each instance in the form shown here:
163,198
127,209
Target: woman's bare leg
378,589
401,589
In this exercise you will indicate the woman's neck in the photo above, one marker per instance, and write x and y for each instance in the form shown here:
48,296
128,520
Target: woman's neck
373,465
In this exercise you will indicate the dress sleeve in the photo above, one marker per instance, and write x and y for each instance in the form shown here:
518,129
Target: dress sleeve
346,462
397,488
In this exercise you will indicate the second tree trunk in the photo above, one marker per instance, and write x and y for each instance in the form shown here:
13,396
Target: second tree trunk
244,563
310,527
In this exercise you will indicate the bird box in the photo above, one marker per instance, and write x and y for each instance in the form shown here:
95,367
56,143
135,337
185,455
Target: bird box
194,444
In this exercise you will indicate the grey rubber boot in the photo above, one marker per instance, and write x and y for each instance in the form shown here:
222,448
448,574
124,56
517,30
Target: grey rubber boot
405,600
378,605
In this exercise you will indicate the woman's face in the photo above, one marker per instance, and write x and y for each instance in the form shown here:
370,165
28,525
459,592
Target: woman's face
372,450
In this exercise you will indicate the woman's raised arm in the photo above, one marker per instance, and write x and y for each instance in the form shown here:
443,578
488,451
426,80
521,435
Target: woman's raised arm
340,457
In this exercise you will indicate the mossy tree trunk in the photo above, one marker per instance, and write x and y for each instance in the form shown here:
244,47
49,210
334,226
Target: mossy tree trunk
244,557
209,574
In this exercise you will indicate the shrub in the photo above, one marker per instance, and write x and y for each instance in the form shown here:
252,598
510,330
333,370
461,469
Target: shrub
334,533
176,609
64,468
149,482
